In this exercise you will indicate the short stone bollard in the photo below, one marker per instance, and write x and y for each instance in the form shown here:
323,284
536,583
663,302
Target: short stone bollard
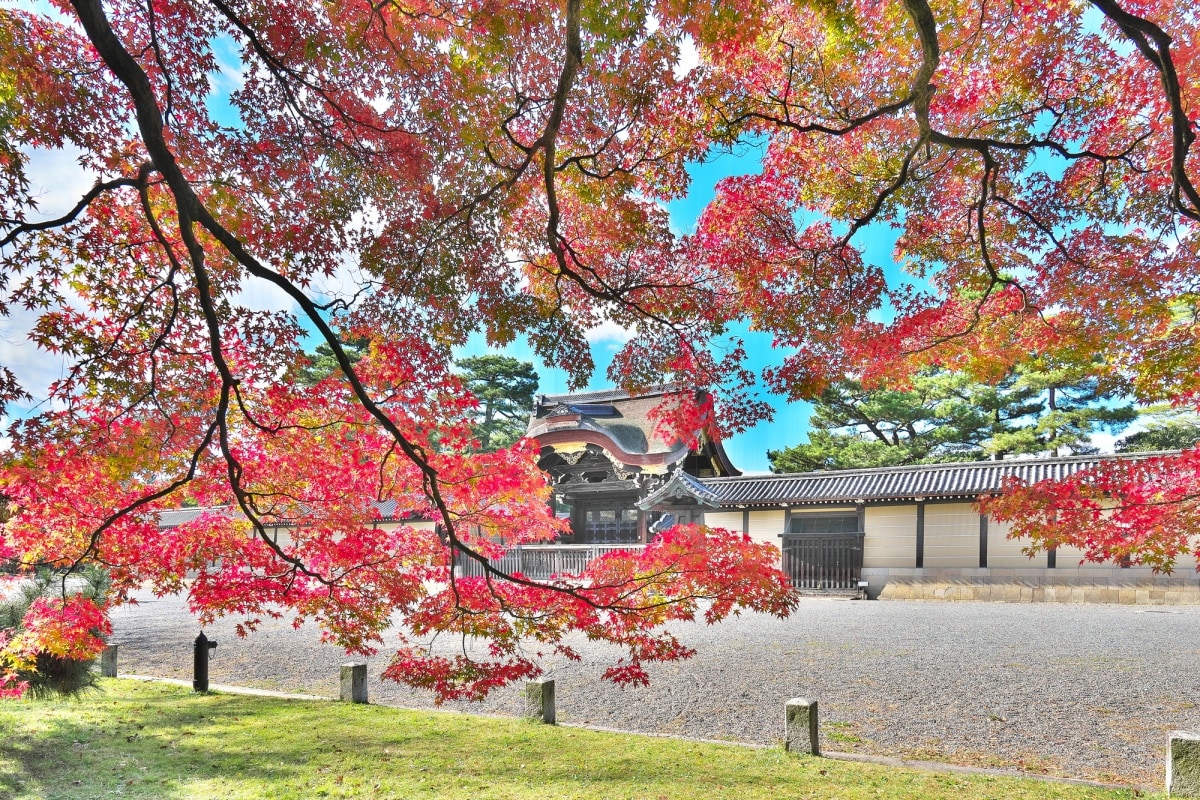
539,700
354,683
200,653
1183,764
800,726
108,662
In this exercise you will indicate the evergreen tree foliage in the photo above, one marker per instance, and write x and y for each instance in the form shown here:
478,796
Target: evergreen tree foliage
1074,405
504,387
322,363
946,416
1166,429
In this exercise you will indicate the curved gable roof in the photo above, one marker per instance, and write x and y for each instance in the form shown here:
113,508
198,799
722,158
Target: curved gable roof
623,423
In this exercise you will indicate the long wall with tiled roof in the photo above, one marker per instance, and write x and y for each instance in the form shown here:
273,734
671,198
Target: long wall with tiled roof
943,481
922,536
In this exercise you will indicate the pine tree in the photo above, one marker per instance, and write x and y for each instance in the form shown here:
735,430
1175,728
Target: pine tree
504,387
947,416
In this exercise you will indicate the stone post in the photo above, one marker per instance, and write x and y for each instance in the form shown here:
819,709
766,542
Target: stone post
354,683
1183,764
200,653
539,700
108,662
800,726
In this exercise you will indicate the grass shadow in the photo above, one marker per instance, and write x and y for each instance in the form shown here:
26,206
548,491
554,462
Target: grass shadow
154,741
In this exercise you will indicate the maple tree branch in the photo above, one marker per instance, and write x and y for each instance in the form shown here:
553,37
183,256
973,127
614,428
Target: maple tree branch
1151,41
920,96
1034,220
98,189
851,125
97,533
981,143
284,74
572,60
169,100
1178,501
567,260
191,211
136,313
172,260
881,197
985,255
1155,46
922,90
234,469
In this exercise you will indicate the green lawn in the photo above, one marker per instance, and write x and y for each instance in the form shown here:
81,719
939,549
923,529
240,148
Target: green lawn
140,740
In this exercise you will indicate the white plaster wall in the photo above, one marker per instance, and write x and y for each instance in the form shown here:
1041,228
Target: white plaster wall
1005,553
419,525
730,520
281,535
951,535
1186,563
891,536
766,526
1069,558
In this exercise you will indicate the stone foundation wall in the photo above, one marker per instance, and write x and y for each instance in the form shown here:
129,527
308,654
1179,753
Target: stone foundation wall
1034,586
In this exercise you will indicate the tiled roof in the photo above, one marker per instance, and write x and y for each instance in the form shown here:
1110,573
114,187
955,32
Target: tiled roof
628,425
178,516
602,396
960,480
681,486
391,511
626,420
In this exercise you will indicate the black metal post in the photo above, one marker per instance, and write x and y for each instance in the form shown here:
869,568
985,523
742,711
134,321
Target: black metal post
200,662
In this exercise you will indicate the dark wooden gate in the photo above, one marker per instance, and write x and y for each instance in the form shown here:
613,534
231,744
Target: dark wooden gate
823,560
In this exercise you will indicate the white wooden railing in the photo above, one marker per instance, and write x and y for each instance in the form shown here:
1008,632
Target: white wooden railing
541,561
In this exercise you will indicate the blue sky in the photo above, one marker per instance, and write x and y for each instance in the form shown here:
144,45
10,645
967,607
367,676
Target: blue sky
59,182
64,182
747,450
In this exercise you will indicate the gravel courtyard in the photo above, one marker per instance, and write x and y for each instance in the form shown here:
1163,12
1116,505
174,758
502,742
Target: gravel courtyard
1086,691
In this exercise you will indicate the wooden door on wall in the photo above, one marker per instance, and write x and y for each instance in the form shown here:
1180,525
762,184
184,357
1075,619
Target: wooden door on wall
824,550
608,524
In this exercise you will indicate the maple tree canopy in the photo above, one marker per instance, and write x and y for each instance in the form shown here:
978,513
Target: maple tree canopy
500,167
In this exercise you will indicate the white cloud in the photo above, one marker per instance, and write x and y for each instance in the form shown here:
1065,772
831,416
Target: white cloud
228,78
57,182
35,368
609,332
231,70
345,282
259,295
689,57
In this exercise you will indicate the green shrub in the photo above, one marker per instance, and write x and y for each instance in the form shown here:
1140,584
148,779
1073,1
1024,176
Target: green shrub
54,675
